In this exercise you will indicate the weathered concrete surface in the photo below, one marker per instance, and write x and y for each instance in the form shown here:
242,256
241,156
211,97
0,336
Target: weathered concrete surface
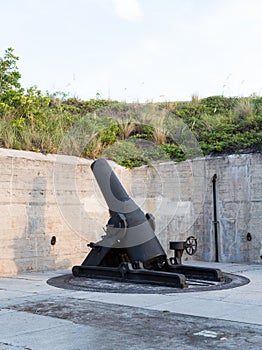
47,195
30,216
34,315
239,202
184,203
106,326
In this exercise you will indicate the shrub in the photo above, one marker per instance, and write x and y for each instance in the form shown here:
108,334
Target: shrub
54,123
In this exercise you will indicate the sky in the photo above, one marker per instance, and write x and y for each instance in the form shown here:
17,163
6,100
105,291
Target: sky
136,50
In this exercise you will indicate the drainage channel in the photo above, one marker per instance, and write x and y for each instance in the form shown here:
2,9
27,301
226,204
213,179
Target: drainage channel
108,286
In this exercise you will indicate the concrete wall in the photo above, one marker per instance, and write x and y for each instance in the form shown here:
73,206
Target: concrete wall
45,196
181,198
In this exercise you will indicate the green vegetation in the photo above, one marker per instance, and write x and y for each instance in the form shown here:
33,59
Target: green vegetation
129,134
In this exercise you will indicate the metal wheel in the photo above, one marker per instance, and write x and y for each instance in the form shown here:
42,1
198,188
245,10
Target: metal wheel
191,245
76,271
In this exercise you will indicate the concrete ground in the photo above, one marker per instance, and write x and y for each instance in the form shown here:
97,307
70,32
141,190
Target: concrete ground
35,315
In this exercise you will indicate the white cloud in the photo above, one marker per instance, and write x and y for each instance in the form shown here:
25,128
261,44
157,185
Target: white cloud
128,10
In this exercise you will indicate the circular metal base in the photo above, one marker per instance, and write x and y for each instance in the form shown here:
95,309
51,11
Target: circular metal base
109,286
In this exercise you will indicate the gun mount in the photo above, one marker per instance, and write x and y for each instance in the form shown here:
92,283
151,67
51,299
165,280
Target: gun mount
130,251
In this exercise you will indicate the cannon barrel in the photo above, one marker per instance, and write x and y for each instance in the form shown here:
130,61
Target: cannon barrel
139,239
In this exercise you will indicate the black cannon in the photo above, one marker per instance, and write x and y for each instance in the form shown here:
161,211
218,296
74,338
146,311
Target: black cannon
130,251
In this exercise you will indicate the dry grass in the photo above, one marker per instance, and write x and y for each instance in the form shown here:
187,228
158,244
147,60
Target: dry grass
126,129
159,137
243,108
